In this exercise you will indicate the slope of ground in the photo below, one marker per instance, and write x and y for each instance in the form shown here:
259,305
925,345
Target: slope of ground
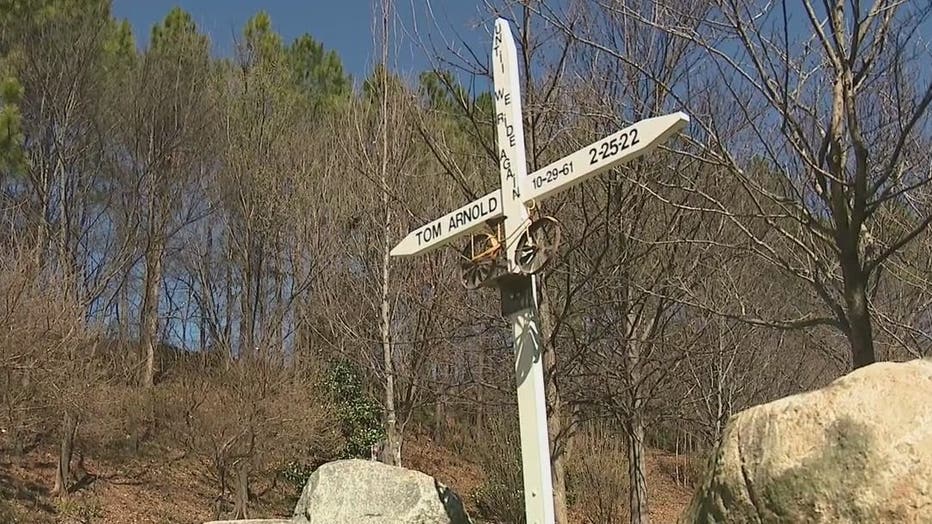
668,498
171,488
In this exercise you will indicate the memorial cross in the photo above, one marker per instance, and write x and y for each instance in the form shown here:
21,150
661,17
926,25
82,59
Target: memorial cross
518,246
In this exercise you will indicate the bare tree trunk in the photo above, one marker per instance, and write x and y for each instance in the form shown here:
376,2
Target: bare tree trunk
258,305
208,290
305,351
241,499
439,416
480,391
149,323
441,422
302,329
559,437
123,315
858,329
247,314
637,469
634,423
392,434
42,235
559,441
228,317
63,472
64,259
41,182
718,377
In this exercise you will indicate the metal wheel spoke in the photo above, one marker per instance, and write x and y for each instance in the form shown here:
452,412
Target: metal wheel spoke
537,245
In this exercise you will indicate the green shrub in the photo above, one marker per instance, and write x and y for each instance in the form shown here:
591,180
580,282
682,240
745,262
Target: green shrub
297,473
360,417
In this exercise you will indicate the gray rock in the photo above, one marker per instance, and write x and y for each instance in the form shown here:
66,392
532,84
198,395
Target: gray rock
858,450
369,492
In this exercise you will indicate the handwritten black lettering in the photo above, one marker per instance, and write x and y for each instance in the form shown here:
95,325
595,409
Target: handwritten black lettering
429,232
503,95
612,146
475,212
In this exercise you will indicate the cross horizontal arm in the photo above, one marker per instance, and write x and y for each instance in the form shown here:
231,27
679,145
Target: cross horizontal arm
451,226
598,157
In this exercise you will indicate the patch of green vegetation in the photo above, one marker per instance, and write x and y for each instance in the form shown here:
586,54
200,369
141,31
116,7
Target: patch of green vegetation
360,416
360,420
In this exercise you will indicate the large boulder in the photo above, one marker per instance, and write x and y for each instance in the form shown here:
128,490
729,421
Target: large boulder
858,450
369,492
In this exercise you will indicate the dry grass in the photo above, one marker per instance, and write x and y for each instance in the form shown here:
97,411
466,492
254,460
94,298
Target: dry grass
598,477
43,362
171,453
164,486
161,488
423,454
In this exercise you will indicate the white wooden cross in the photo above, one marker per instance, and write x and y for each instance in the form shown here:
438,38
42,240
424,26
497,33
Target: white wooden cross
518,191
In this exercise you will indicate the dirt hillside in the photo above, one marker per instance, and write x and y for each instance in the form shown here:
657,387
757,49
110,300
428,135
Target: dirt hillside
171,488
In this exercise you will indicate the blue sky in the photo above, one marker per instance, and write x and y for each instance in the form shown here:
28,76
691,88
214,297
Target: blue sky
342,25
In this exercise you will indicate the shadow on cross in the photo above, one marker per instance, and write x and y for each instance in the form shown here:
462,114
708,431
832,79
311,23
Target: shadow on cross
527,344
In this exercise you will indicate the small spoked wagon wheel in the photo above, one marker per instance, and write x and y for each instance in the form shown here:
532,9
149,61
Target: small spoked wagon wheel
478,260
477,273
538,245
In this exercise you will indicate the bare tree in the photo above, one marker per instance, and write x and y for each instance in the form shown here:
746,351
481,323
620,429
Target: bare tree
831,105
45,361
392,434
166,137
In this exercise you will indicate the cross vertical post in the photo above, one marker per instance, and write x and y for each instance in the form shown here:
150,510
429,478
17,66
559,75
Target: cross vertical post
519,294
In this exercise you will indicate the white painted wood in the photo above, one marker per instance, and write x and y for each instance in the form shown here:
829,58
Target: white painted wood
465,220
532,404
612,151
